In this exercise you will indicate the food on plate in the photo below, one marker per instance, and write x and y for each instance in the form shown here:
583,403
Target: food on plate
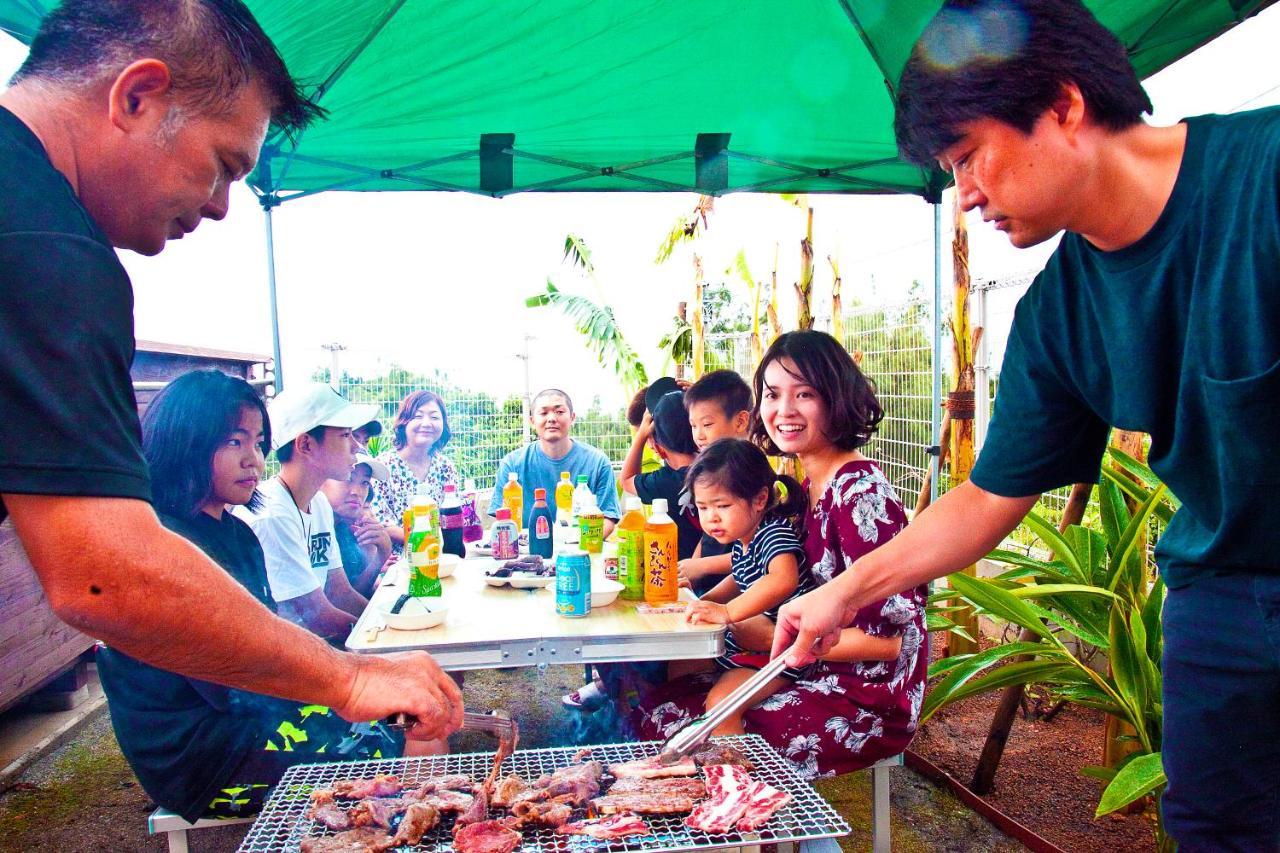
652,768
678,787
614,826
530,565
487,836
722,753
727,799
762,802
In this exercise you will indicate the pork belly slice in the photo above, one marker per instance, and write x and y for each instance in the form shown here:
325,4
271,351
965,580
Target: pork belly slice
357,789
488,836
722,753
727,787
614,826
641,803
353,841
651,768
762,802
677,786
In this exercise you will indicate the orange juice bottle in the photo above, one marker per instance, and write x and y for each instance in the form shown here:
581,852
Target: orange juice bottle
661,581
513,499
631,551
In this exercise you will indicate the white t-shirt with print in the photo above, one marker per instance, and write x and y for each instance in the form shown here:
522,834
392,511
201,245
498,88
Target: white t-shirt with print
300,547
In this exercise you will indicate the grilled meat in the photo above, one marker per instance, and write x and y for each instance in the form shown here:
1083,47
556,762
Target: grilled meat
574,784
455,782
418,820
763,801
614,826
506,746
507,789
651,768
357,789
475,812
727,787
642,803
717,753
446,801
331,815
354,841
550,813
488,836
680,786
377,811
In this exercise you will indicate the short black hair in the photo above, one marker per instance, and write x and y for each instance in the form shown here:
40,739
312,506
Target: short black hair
551,392
284,452
744,471
671,430
723,387
182,429
1008,60
213,48
853,412
636,409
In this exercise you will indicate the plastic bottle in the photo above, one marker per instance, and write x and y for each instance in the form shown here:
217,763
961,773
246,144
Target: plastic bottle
472,530
423,549
590,526
564,499
504,536
513,499
451,521
541,526
661,582
631,550
580,494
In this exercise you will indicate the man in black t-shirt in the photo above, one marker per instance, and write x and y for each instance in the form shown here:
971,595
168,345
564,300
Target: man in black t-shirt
666,426
125,127
1159,312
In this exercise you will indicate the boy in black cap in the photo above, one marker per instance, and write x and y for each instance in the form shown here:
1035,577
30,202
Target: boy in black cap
666,424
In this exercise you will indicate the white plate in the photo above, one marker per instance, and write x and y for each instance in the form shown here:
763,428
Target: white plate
414,616
531,581
604,592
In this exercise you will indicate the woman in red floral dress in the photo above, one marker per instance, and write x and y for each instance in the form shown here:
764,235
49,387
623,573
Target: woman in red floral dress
861,701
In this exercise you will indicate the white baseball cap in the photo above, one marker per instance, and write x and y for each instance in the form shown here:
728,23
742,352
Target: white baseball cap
303,407
376,468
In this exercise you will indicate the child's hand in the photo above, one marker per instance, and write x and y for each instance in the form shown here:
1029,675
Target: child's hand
690,569
707,611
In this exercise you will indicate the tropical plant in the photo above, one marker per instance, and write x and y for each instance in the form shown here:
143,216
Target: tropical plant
1091,593
594,320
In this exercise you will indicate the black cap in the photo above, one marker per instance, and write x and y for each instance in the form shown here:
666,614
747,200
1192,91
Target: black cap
658,389
671,424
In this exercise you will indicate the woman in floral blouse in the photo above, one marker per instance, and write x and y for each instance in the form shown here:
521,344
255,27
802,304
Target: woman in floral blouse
421,432
861,701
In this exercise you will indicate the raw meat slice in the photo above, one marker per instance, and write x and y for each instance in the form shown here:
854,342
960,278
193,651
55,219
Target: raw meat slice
354,841
651,768
679,786
614,826
762,802
474,813
727,786
642,803
357,789
488,836
722,753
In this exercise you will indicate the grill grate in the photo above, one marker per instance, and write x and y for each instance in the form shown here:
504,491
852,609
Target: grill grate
282,825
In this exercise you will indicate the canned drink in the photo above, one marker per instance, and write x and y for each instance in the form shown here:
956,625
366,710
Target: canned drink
573,583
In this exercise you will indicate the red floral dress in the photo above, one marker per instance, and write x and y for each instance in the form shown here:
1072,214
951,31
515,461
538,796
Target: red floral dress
841,716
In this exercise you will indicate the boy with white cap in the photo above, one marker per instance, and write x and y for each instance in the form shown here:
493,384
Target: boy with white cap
311,430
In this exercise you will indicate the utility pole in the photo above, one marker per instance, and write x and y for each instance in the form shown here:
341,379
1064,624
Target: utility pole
335,372
525,402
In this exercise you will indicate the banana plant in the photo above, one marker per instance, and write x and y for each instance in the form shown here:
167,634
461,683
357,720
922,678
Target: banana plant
1093,594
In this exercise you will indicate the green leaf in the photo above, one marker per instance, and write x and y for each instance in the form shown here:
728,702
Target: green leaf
1151,611
935,622
1131,682
1138,778
1049,589
1137,494
1023,672
1097,771
575,248
1129,539
1142,471
986,595
1084,631
1056,543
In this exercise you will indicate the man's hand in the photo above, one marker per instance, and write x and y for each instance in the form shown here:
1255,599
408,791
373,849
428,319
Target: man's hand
707,611
410,683
810,625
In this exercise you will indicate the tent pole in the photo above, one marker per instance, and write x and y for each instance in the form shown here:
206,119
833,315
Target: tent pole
935,408
269,202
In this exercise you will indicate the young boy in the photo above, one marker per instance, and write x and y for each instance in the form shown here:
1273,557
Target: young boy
719,406
666,426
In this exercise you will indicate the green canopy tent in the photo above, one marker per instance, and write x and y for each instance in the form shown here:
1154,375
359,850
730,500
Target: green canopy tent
706,96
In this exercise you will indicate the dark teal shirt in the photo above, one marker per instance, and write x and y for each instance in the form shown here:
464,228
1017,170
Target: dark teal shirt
1178,336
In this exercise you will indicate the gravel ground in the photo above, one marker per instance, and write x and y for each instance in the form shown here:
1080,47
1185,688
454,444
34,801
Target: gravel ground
83,797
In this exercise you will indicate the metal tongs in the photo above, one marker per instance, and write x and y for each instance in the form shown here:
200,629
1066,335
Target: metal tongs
685,742
496,723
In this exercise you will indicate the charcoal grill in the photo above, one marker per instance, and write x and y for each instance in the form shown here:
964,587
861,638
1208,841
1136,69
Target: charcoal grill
283,824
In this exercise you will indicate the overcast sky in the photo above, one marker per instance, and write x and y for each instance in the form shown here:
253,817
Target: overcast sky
438,280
